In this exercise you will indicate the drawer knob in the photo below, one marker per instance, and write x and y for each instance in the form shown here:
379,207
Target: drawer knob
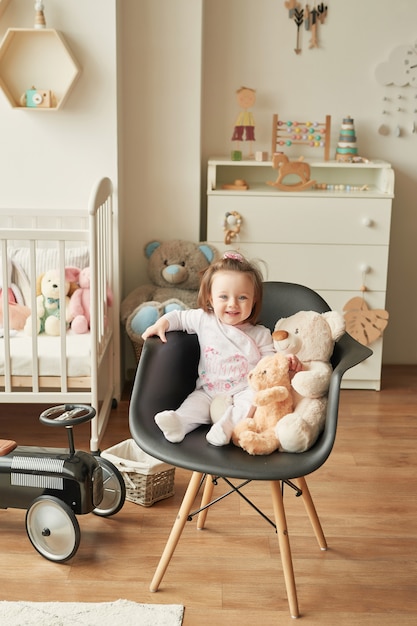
232,222
367,221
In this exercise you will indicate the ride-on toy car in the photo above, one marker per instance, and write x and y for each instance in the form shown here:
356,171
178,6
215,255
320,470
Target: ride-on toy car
55,484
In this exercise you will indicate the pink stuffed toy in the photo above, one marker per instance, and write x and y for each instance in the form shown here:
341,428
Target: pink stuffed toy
80,303
18,312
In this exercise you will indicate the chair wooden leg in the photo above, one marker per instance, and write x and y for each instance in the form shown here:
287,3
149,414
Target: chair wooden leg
205,500
178,527
311,512
284,546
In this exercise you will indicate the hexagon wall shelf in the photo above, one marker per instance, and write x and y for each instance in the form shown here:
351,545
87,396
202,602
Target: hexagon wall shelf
3,5
38,58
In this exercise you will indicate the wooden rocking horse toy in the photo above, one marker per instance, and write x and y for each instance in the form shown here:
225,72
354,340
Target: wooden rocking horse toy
299,169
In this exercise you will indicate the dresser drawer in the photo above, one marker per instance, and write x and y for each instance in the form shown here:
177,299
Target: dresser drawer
293,220
320,267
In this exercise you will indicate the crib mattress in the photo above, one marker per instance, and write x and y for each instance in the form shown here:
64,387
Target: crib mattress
78,349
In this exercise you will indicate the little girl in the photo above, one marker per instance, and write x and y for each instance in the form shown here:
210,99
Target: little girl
231,343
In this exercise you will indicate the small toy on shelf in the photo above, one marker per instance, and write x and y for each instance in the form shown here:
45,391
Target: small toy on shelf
238,185
40,21
347,150
244,129
292,133
38,99
299,169
340,187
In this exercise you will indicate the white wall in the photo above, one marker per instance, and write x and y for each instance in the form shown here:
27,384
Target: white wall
160,59
52,159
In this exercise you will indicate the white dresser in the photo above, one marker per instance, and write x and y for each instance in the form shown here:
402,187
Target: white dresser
333,241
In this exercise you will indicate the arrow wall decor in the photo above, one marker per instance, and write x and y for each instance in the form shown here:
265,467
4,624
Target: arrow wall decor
310,17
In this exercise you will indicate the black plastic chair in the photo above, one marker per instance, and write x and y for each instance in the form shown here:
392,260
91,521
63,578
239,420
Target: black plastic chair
167,373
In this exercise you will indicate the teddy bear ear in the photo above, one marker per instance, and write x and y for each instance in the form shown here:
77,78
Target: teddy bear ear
150,248
336,321
209,252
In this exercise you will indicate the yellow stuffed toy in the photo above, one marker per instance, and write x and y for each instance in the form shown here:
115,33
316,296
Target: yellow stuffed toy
270,381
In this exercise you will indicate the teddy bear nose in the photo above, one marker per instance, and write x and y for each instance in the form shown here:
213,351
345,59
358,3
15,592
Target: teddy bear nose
279,335
55,286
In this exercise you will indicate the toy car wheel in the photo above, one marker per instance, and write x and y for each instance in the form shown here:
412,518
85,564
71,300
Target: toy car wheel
114,489
52,528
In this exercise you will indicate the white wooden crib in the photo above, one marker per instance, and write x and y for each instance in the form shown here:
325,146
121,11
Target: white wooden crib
69,368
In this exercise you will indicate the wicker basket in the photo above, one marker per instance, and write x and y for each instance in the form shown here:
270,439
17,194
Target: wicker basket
147,479
137,343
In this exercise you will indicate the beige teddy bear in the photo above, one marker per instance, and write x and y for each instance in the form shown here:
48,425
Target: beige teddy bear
270,381
174,270
48,312
310,336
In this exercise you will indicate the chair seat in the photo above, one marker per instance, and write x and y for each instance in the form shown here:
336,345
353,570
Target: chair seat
194,452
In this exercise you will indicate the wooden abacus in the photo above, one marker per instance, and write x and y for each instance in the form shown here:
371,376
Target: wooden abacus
312,134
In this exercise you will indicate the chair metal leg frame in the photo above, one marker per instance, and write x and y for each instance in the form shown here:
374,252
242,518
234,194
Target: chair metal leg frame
207,500
299,486
280,524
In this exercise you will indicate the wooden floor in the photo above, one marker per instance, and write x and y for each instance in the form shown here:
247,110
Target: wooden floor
230,573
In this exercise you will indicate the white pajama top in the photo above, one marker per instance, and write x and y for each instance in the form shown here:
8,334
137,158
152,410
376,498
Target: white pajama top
227,353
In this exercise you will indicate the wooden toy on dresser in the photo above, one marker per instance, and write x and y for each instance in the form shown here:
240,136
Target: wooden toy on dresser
286,134
297,169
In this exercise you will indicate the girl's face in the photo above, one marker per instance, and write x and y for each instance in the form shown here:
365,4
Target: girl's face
232,296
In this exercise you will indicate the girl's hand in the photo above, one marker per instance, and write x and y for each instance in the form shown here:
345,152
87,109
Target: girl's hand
294,363
159,329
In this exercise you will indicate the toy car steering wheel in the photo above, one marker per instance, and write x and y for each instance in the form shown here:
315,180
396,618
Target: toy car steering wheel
67,415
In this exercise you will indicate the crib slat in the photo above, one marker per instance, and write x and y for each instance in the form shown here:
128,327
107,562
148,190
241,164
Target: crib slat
6,320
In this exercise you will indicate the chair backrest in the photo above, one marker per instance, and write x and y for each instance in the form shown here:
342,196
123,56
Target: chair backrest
180,355
284,299
167,373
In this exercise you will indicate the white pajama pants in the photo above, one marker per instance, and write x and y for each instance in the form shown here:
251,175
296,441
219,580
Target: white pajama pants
195,410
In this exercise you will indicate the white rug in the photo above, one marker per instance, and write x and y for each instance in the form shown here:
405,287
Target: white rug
90,614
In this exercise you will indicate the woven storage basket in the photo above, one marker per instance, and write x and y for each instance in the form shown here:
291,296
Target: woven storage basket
137,345
147,479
